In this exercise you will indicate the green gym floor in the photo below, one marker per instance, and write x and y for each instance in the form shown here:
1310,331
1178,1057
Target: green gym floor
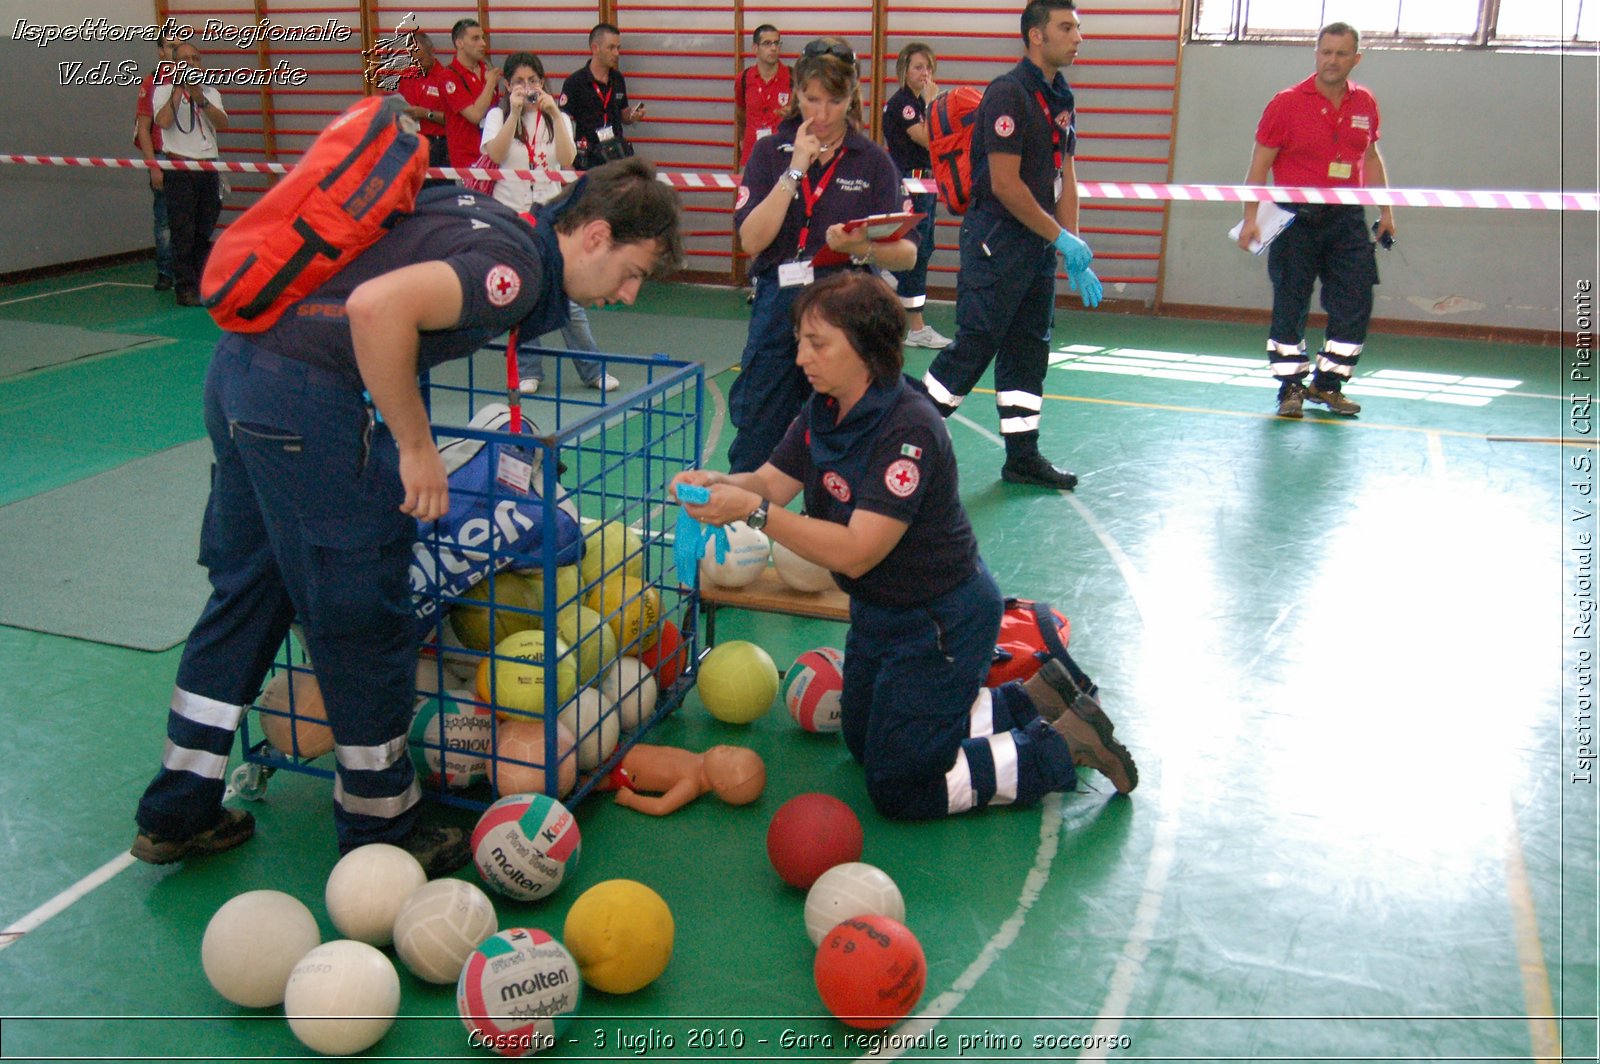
1336,647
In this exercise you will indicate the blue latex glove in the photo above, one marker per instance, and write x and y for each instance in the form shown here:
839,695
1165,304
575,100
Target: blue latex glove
689,544
1087,285
1074,252
695,493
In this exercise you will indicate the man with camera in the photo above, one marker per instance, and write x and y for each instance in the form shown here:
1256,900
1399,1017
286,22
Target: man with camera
596,96
190,116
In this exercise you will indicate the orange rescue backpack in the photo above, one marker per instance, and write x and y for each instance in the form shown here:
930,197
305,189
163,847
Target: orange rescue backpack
950,121
357,179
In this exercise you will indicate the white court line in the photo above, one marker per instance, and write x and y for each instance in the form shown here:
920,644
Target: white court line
13,934
1163,849
59,292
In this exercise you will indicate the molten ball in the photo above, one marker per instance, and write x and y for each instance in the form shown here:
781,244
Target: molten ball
632,608
518,992
744,559
870,971
514,679
521,763
850,889
812,687
798,573
342,997
630,684
809,834
594,718
668,657
439,926
595,642
253,943
293,716
497,606
620,932
738,681
609,547
450,739
367,888
525,845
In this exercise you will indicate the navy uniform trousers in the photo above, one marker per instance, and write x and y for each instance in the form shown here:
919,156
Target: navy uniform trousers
302,523
1331,243
1005,307
770,389
933,741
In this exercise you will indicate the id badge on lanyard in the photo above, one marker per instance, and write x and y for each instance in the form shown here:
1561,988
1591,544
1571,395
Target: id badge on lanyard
796,272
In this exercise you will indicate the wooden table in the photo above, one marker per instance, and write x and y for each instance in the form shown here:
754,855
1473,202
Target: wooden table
769,594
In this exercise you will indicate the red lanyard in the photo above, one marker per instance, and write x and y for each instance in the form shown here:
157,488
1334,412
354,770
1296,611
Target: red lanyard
810,198
529,139
1055,130
605,98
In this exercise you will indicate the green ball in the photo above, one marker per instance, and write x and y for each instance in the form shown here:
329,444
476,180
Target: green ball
596,642
567,601
737,682
515,610
610,547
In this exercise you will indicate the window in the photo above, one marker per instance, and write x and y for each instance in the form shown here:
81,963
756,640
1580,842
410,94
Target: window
1462,23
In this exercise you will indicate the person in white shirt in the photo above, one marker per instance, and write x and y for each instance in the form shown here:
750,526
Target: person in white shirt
529,131
190,116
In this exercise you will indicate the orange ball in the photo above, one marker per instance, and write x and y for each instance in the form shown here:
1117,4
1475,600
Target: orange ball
870,971
809,834
668,657
306,734
519,741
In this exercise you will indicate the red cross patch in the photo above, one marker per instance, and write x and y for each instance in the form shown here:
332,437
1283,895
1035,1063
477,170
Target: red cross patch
1004,126
902,477
1064,119
836,485
909,114
744,197
783,99
502,284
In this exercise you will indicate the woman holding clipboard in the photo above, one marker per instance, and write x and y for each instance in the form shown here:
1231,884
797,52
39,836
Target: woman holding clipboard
802,186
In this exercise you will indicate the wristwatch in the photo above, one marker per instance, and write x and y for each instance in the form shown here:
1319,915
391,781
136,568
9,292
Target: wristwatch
758,517
794,177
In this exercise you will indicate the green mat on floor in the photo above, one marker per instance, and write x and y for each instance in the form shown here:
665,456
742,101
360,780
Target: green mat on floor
111,558
29,345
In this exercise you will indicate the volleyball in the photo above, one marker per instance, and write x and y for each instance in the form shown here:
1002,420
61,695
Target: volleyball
744,559
737,682
342,997
525,845
518,992
450,739
812,689
439,926
798,573
850,889
253,943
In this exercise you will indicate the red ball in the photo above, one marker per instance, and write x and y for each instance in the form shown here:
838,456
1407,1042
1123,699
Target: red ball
667,657
809,834
870,971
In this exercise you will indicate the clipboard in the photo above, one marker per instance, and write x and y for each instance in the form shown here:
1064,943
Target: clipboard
881,229
1271,220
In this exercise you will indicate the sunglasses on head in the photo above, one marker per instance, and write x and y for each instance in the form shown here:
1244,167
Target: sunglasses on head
821,47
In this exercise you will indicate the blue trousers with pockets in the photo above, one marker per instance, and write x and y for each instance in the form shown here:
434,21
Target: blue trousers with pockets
770,388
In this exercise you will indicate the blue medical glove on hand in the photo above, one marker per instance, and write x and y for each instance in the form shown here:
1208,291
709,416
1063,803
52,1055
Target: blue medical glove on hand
1087,285
690,541
1074,252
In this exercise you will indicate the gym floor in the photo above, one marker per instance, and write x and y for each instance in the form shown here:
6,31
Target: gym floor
1335,646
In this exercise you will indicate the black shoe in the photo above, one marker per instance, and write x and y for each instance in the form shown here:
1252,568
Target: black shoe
188,297
235,827
440,851
1036,469
163,283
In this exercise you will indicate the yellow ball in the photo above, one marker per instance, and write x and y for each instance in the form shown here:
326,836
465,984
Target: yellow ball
513,680
515,610
595,640
620,933
737,682
610,547
567,601
632,609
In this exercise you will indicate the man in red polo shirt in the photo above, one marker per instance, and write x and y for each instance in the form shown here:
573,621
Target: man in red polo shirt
760,93
471,88
1321,133
424,90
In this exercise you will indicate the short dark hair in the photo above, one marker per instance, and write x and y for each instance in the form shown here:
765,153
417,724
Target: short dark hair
1037,14
902,62
459,30
626,195
862,307
765,27
600,30
1340,29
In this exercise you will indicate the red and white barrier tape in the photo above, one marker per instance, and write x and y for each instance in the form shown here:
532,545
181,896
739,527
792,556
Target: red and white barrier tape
1369,197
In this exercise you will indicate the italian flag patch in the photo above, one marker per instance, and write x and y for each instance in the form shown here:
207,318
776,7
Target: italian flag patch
910,451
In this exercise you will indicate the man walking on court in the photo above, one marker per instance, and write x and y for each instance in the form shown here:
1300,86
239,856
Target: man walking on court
1024,210
1321,133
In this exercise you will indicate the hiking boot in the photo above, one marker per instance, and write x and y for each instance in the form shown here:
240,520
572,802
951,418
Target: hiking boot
235,827
440,851
927,337
1088,731
1334,400
1292,400
1036,469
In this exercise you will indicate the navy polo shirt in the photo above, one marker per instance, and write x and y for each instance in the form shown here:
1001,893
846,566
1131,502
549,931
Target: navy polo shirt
864,182
504,280
1011,120
904,110
911,477
586,101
